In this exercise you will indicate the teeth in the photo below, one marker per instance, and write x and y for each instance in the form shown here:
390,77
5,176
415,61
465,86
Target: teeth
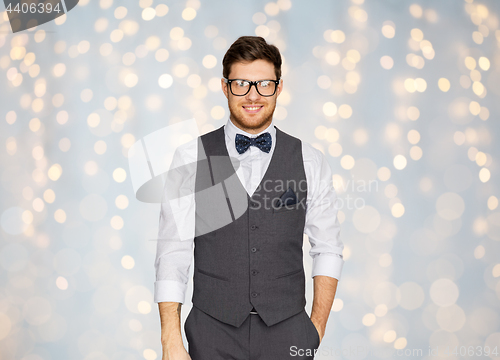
252,108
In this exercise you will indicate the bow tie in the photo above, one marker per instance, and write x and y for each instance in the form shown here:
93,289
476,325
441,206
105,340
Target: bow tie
263,142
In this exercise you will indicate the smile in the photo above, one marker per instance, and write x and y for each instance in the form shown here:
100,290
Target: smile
253,109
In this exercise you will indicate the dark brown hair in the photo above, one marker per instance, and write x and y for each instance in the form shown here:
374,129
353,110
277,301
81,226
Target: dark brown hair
251,48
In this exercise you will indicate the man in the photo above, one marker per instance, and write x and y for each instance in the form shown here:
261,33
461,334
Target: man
249,282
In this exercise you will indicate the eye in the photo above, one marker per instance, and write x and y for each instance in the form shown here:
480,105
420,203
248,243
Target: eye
265,83
241,83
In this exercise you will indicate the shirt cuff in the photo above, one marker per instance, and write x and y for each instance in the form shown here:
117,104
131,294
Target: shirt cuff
327,265
169,290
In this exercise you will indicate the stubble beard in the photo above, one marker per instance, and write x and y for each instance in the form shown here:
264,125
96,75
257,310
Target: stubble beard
233,113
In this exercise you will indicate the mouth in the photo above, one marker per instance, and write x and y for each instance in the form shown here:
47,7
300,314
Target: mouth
253,109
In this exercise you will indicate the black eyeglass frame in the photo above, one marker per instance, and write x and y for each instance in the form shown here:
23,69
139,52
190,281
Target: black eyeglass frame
252,83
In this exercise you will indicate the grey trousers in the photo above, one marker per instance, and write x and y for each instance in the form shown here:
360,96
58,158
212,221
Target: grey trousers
210,339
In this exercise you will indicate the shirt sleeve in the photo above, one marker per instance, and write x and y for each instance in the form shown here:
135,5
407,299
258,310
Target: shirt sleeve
322,224
174,251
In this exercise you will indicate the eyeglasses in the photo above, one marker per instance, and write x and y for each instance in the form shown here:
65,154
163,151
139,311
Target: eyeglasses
240,87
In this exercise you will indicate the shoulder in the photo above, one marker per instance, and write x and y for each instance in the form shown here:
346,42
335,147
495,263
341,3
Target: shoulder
311,155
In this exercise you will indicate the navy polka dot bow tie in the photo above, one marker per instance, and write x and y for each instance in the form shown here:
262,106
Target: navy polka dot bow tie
263,142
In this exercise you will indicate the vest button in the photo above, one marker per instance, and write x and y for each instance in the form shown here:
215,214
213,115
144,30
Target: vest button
254,204
254,249
254,272
253,227
254,294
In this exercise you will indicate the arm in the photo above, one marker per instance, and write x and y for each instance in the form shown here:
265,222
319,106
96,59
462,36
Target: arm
171,338
323,229
324,293
174,251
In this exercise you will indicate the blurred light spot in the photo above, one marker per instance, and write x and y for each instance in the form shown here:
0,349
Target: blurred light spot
120,12
144,307
451,318
399,162
11,117
64,144
148,14
165,81
161,10
138,295
60,216
479,252
115,242
131,80
384,173
444,84
413,136
386,62
345,111
335,149
38,205
128,262
91,168
119,175
86,95
135,325
161,55
5,325
209,61
397,210
484,175
54,172
121,202
450,206
492,202
153,43
388,29
324,82
93,120
217,112
149,354
62,283
400,343
338,304
176,33
416,153
49,196
188,14
385,260
262,30
381,310
369,319
390,336
329,108
411,295
416,11
272,9
417,34
181,70
444,292
347,162
484,63
116,222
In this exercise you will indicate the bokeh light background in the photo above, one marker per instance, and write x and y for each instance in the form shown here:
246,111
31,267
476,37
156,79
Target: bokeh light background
401,96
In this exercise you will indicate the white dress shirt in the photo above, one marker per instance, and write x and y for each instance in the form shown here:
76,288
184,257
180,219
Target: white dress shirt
174,257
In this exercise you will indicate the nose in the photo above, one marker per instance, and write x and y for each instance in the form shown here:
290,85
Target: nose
253,95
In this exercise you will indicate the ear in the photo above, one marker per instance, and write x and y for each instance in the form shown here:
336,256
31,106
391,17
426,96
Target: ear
224,87
280,88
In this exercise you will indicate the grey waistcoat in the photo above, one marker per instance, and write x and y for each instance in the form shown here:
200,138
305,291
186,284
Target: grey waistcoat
247,252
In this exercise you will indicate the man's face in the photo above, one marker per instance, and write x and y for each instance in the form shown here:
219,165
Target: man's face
252,112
